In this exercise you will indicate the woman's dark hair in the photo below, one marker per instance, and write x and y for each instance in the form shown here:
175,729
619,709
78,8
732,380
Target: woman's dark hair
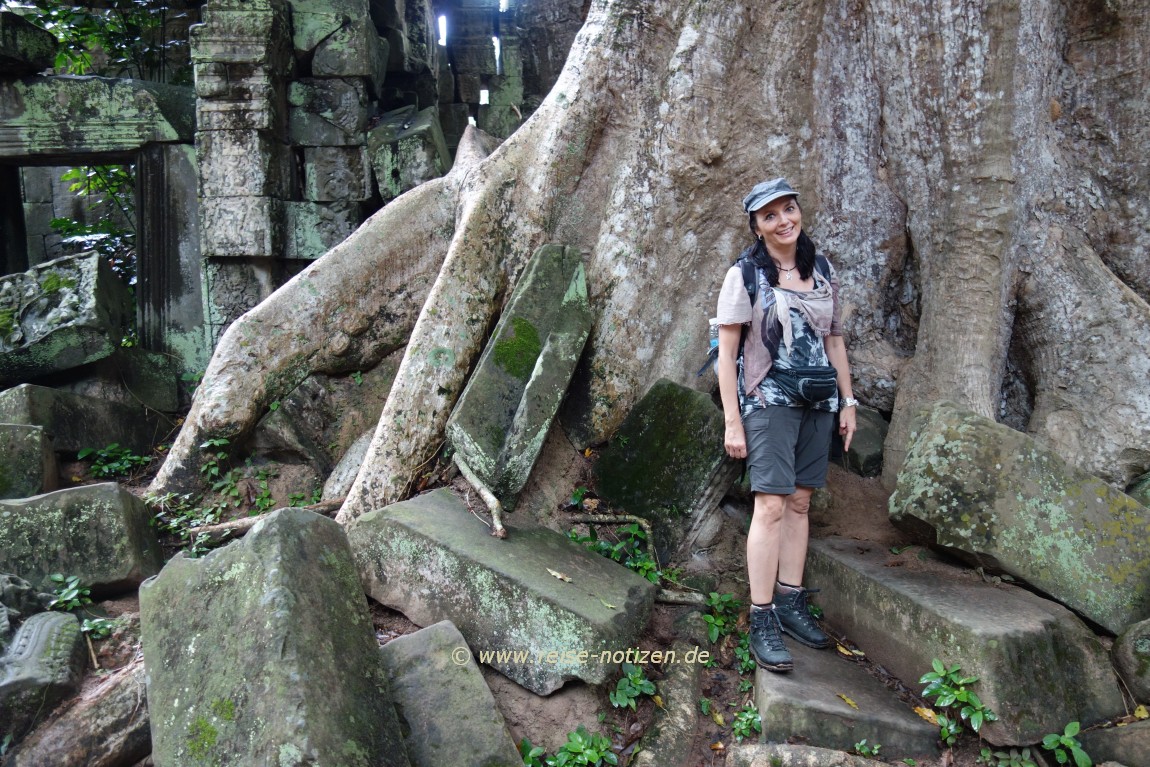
757,252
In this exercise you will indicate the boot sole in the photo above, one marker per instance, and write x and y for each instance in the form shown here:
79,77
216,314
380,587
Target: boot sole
777,667
806,642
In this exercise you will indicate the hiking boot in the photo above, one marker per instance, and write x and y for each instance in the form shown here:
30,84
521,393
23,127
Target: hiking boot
795,618
767,641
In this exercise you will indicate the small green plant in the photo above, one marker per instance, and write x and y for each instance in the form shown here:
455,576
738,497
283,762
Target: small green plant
263,499
705,706
584,748
630,550
1066,747
949,729
69,594
949,688
176,514
633,684
53,282
746,685
357,376
862,748
744,660
7,321
113,460
747,722
724,615
1011,758
533,756
296,499
211,469
577,496
97,628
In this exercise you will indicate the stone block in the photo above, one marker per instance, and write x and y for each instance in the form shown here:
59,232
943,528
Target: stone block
1003,501
1131,654
499,121
475,58
336,173
307,129
314,228
806,705
100,533
469,86
59,315
750,754
431,559
27,462
1127,745
1139,490
446,710
339,482
43,666
865,455
254,33
241,226
25,49
353,50
501,419
1038,665
243,163
130,377
262,652
666,462
91,115
388,14
341,102
453,120
250,112
406,149
75,421
310,28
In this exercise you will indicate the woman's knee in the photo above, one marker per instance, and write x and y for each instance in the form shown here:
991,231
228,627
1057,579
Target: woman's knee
799,502
768,508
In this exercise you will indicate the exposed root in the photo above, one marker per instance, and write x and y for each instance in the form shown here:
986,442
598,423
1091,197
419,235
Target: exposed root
493,504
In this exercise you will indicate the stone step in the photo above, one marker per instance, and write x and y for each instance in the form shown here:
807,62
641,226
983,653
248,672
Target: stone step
1038,665
432,560
808,704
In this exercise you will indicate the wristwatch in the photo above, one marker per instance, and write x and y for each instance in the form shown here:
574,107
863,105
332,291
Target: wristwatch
847,402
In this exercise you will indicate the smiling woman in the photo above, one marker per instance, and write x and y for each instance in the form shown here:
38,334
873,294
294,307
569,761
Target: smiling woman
782,369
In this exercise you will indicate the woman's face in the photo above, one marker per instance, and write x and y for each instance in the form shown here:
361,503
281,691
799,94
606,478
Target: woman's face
779,223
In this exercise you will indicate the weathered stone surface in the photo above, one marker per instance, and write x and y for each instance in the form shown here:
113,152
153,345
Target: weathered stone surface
785,755
340,102
262,652
99,533
245,163
42,667
75,422
18,600
666,462
432,560
60,315
446,710
106,727
44,116
406,149
314,228
1128,745
1038,666
241,226
27,461
341,477
1140,490
806,704
672,734
865,454
353,50
335,173
1131,653
130,376
502,417
25,49
1004,501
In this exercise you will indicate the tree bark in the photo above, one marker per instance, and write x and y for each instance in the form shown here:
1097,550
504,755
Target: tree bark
975,170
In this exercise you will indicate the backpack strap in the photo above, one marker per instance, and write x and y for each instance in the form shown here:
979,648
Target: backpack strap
823,266
750,277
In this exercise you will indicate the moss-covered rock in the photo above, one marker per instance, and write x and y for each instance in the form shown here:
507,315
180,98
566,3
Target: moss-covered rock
99,533
1002,500
433,560
502,417
406,149
77,421
1131,653
262,652
42,667
666,463
27,462
25,49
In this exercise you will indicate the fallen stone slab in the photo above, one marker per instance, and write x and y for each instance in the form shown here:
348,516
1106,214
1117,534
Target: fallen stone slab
262,652
27,461
105,727
407,148
865,454
502,418
1001,500
1038,665
785,755
101,534
446,710
25,49
808,703
1129,745
59,315
42,667
432,560
1131,654
666,462
76,421
669,740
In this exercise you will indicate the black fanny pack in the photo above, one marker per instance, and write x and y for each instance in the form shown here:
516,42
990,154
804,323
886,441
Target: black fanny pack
806,385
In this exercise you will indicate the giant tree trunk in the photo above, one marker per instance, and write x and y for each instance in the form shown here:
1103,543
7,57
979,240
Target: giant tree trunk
976,170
